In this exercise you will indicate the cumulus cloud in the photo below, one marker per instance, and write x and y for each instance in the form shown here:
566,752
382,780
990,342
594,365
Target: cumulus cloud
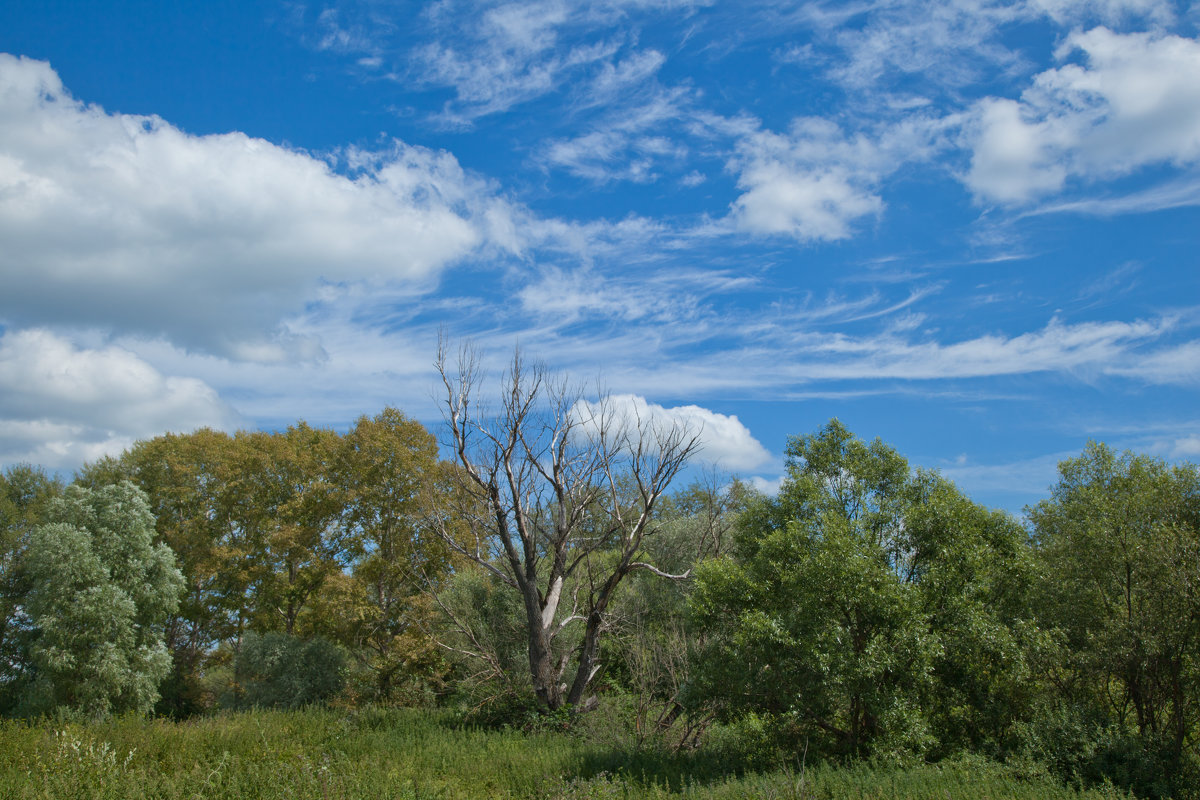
126,221
814,182
1133,104
767,486
61,405
1014,158
817,205
810,184
726,442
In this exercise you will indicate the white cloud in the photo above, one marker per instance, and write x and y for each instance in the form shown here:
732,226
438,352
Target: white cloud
726,442
811,184
601,157
1172,194
638,136
497,55
1091,346
61,405
1136,103
1179,364
807,205
634,70
510,54
126,221
816,181
1014,159
769,487
1110,12
1187,447
337,36
781,355
949,43
572,295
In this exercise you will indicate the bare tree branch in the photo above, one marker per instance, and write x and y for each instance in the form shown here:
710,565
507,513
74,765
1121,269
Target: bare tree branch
651,568
561,479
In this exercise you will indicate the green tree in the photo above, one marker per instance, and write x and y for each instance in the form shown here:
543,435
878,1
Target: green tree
301,531
974,570
871,609
25,495
1119,549
99,593
289,508
282,671
190,483
814,622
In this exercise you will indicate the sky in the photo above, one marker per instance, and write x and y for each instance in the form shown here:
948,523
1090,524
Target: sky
970,228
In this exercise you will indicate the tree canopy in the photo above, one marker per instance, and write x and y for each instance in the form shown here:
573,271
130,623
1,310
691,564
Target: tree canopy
100,590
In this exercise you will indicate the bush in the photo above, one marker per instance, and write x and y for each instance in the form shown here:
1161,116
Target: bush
280,671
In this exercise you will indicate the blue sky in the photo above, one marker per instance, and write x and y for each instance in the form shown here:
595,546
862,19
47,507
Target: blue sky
969,228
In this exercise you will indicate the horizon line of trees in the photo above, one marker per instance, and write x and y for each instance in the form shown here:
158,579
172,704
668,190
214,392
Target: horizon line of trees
868,610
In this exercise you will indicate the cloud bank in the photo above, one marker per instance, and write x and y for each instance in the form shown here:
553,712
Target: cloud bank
130,223
61,405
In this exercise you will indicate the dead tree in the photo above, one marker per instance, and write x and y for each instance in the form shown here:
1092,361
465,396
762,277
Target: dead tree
557,493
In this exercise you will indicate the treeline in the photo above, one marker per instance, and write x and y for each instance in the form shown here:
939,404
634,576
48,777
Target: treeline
868,611
300,551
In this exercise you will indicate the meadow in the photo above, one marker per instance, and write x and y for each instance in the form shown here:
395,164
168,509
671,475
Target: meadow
407,754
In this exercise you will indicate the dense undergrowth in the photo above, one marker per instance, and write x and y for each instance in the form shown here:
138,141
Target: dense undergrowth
411,754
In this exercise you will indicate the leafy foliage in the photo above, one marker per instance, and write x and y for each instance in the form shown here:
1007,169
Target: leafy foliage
812,623
869,610
1119,547
25,494
276,670
304,532
99,591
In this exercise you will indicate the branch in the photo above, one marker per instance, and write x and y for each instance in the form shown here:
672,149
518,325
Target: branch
565,622
643,565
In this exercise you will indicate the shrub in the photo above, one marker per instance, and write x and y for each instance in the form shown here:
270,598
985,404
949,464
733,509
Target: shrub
280,671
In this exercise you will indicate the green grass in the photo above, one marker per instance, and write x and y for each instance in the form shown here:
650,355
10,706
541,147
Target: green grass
328,755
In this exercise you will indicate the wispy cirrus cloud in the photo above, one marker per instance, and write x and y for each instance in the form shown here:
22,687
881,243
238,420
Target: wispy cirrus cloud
1179,193
512,53
782,356
631,142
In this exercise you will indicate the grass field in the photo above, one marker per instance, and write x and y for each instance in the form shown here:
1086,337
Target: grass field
325,754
